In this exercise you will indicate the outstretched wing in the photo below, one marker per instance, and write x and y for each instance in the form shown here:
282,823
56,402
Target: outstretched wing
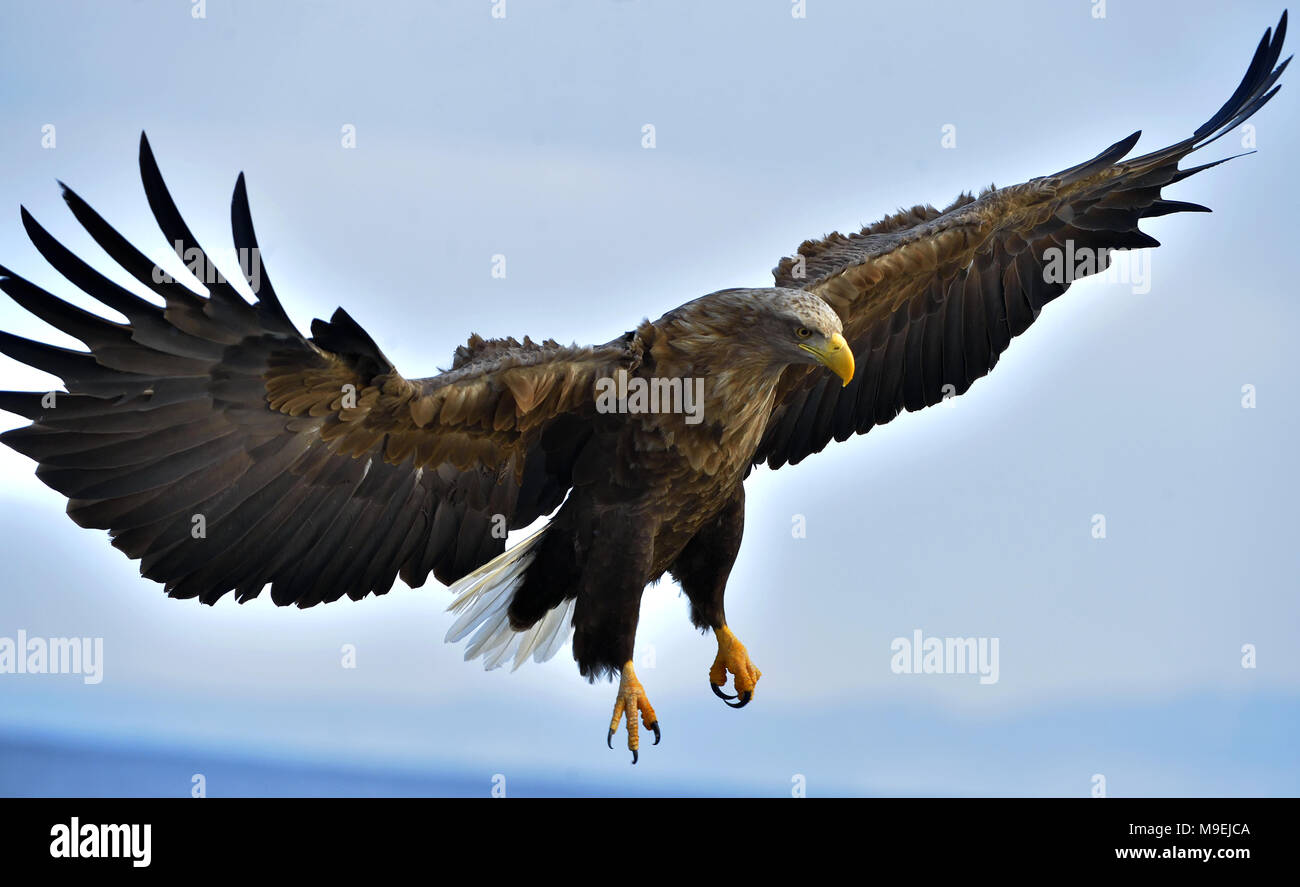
930,299
227,451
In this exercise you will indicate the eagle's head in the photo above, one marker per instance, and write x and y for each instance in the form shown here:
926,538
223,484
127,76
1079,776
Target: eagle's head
769,329
800,327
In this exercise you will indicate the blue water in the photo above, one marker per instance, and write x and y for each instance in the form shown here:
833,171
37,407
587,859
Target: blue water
54,768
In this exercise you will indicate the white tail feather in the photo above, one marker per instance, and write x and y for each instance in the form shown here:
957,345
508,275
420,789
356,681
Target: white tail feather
483,601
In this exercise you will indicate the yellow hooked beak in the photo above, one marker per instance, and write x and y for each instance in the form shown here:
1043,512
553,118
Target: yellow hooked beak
838,357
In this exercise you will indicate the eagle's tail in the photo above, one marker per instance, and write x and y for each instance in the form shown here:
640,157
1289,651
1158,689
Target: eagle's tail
483,599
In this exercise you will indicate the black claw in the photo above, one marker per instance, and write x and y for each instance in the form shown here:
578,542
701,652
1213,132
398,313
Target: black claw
717,691
634,757
655,727
609,740
744,699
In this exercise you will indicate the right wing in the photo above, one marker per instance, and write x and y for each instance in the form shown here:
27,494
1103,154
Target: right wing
226,451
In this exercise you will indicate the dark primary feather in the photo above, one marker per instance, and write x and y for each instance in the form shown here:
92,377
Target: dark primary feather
215,407
930,299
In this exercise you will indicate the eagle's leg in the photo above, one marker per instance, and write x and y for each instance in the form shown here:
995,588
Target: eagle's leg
702,569
632,700
733,657
616,565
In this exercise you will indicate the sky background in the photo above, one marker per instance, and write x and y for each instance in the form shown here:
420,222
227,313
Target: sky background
522,137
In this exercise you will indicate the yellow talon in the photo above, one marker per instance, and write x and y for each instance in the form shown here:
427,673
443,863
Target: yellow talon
631,700
733,657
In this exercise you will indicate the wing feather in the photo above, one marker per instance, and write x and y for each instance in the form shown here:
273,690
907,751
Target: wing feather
226,451
929,299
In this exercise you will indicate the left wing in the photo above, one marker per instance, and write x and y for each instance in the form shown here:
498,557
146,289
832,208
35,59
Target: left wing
930,299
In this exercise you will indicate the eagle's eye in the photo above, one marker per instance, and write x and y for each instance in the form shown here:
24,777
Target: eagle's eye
803,332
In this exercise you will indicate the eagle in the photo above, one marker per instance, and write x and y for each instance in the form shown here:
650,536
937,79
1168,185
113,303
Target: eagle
227,452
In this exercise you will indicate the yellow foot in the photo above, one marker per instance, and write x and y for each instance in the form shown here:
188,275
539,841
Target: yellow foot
734,658
632,699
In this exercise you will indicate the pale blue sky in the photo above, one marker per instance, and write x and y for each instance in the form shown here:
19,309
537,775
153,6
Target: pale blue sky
523,137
